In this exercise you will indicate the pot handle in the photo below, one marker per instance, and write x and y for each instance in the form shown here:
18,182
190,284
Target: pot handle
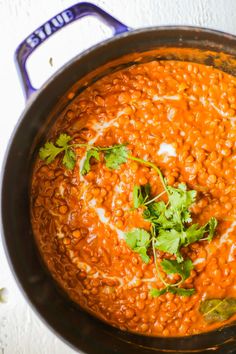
62,19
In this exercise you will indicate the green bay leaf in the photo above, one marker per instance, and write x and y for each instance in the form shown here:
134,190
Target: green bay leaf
218,310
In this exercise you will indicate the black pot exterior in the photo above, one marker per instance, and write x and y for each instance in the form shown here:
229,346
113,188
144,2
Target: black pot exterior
76,327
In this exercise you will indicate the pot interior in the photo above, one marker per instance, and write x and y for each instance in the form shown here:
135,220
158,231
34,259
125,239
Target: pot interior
77,327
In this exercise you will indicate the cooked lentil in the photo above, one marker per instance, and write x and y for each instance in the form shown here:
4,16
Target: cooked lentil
181,116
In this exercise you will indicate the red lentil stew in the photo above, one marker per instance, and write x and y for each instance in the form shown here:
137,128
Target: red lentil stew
133,199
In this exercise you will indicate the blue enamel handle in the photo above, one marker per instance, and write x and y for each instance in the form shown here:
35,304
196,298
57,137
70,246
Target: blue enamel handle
62,19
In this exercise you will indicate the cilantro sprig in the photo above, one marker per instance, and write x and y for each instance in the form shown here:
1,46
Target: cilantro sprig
171,231
139,241
114,156
171,223
50,151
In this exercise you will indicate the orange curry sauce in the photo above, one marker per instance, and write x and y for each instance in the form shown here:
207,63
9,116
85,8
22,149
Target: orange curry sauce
182,117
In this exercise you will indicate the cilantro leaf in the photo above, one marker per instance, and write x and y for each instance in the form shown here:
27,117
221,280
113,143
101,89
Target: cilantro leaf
173,267
195,233
173,290
156,214
158,208
86,166
137,237
116,156
63,140
169,241
158,292
210,228
140,195
131,238
49,152
137,197
139,241
142,251
181,291
69,159
180,198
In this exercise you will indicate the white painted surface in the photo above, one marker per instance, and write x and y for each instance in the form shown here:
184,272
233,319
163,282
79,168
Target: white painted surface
21,332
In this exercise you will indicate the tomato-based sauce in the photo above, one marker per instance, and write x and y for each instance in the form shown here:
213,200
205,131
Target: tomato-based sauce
180,116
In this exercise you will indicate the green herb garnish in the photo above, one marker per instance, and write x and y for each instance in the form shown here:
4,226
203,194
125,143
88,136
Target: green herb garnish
170,230
140,195
139,241
170,222
172,219
86,166
174,290
173,267
50,151
158,292
114,156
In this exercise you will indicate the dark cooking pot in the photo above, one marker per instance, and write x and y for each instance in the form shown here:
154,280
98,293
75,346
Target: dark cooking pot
74,325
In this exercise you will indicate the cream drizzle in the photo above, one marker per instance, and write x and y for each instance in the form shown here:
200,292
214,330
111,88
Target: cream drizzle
103,219
225,237
166,97
99,128
167,149
223,114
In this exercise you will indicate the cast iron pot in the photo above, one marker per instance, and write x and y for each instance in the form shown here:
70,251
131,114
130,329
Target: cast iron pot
78,328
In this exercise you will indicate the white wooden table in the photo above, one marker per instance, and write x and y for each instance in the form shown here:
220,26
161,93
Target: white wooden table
21,332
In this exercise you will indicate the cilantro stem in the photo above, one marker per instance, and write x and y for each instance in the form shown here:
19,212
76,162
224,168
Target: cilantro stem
84,145
152,165
156,197
153,233
110,147
98,148
155,257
